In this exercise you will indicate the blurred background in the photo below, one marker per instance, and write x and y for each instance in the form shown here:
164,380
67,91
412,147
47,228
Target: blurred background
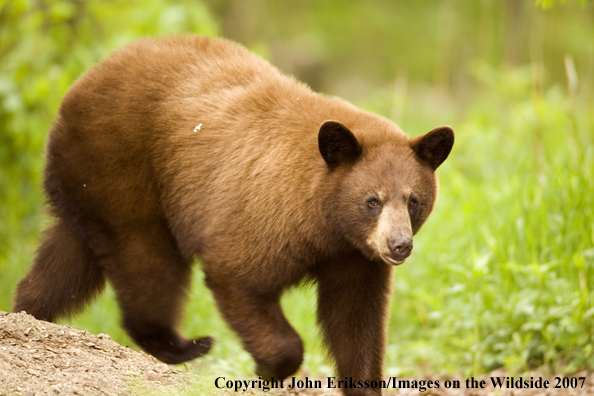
503,272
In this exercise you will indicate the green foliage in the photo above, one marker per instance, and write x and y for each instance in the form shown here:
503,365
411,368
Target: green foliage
550,3
44,47
509,281
502,274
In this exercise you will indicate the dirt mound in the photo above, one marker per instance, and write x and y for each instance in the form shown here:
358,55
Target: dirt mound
41,358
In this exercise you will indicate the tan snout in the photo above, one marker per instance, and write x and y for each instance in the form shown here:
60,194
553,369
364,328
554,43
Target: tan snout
392,237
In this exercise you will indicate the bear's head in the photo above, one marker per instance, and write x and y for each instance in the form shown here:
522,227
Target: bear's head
383,185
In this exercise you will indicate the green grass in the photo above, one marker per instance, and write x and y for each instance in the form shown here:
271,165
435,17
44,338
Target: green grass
202,385
502,272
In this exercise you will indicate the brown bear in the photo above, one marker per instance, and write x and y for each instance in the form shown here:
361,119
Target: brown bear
185,147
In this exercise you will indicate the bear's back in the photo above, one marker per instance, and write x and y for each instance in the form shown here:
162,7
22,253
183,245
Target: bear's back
210,138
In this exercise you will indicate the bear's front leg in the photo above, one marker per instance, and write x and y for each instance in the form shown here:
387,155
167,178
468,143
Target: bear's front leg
353,305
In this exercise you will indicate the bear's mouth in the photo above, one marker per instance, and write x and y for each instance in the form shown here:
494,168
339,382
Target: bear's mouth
387,258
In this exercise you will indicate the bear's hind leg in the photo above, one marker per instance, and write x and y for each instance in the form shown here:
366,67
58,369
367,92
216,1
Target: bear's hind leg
150,279
260,323
64,276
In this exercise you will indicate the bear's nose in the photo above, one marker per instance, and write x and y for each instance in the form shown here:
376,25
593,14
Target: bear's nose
400,247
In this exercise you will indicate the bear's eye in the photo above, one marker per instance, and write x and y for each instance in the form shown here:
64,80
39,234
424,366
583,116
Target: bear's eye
374,203
413,204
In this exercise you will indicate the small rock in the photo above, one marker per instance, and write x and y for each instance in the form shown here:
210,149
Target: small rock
32,372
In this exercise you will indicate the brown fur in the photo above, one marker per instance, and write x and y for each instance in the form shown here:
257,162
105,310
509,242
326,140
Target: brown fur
188,146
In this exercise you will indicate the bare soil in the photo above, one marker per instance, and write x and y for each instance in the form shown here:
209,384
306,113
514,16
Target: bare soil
41,358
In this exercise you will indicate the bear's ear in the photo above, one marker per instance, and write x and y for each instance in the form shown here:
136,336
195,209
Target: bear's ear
434,147
337,144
